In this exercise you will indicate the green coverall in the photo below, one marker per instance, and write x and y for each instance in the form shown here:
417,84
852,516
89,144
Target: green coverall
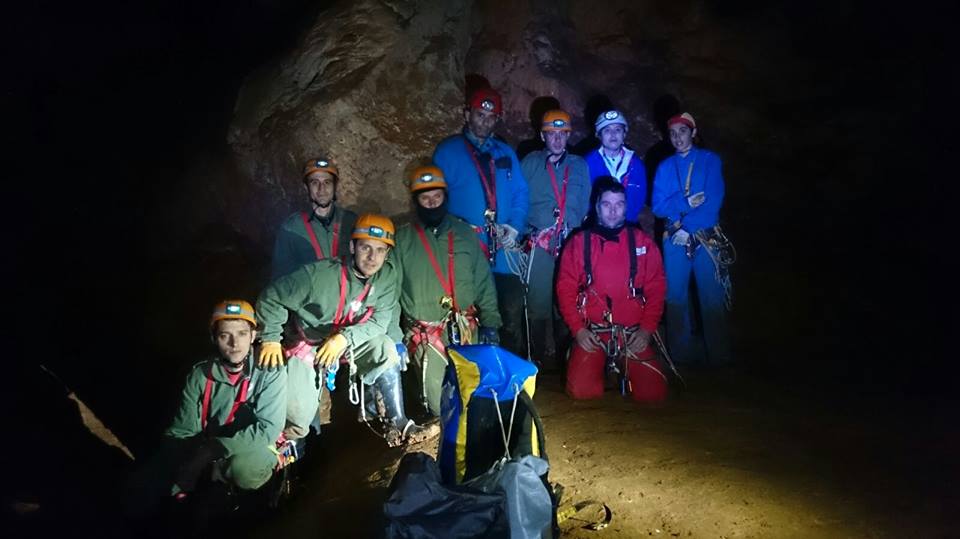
421,292
312,293
256,425
247,461
293,247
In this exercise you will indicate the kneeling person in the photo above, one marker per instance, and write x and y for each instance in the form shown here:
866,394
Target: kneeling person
610,292
343,309
230,417
446,290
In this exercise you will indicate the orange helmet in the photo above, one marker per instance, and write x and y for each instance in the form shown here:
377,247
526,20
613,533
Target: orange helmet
556,120
371,226
320,164
233,309
426,178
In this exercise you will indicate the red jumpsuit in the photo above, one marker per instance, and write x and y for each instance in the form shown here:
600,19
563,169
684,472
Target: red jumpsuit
610,267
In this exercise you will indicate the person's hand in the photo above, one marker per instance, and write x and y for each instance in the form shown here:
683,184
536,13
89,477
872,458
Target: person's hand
271,355
489,335
680,237
696,199
506,236
331,350
189,472
638,341
404,356
588,340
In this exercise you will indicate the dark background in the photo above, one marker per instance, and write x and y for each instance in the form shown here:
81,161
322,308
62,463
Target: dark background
108,105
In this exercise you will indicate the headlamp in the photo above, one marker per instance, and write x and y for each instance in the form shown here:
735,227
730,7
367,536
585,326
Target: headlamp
611,115
487,104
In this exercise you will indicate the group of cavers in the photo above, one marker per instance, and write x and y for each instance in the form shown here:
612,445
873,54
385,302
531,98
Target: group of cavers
498,251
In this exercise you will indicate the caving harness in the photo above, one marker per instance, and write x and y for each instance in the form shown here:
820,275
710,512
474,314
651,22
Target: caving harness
312,236
345,315
238,401
551,238
489,184
714,242
284,449
459,324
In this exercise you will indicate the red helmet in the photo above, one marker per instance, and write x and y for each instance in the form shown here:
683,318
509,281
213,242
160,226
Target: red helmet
486,99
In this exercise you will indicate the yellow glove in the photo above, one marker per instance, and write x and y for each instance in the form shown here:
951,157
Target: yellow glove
271,355
331,350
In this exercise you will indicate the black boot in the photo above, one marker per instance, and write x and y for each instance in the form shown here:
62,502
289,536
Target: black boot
399,428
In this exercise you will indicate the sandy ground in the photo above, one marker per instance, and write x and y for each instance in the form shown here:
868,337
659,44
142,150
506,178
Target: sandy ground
729,457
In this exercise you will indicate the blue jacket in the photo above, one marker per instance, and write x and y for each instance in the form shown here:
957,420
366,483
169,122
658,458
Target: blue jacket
467,197
635,177
669,187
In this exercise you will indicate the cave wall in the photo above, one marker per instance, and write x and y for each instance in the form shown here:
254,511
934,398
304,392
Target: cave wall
376,84
373,85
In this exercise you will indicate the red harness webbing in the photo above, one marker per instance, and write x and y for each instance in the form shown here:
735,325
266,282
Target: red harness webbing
428,333
483,245
208,390
558,194
449,285
339,319
489,184
561,197
313,236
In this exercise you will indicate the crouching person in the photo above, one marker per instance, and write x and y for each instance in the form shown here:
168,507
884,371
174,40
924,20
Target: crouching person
610,292
226,428
343,310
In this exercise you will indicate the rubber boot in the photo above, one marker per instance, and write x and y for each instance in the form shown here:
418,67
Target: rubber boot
400,428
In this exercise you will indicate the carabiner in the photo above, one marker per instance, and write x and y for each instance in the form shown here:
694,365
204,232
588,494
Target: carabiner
354,393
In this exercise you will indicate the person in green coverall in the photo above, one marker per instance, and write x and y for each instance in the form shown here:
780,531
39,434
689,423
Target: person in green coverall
343,309
446,286
323,232
230,417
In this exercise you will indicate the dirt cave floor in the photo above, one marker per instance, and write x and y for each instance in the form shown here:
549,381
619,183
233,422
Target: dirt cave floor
731,456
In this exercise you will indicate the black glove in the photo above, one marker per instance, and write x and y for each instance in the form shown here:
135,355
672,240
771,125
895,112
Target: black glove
189,472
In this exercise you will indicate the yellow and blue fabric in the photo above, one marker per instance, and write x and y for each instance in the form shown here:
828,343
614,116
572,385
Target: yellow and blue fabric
478,379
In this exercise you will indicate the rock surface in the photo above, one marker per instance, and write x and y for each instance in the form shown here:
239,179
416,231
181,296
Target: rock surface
373,85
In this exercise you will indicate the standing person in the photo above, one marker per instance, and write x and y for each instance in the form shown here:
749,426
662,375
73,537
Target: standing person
559,184
688,192
610,292
487,189
446,289
323,232
228,422
343,309
614,158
